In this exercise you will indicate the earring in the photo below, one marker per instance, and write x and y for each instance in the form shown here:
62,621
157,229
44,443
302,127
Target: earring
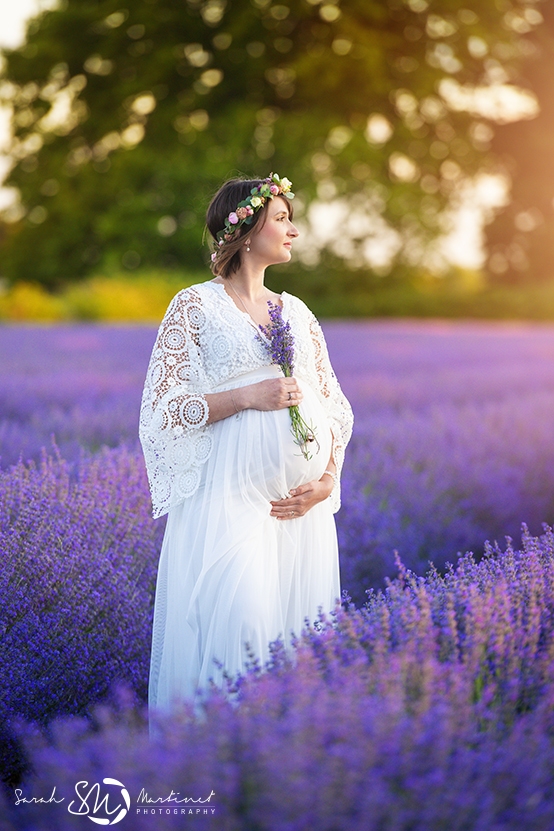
248,245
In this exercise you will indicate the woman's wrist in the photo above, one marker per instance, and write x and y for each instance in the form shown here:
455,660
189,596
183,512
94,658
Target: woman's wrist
233,402
332,476
239,398
329,479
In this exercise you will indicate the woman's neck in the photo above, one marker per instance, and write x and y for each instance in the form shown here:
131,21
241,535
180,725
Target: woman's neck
248,281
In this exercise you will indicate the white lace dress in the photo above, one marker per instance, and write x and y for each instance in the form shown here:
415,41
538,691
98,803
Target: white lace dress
231,578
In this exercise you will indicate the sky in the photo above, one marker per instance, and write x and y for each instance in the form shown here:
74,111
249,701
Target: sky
462,245
13,16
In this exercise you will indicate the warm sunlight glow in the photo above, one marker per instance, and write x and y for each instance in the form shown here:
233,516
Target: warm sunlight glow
501,102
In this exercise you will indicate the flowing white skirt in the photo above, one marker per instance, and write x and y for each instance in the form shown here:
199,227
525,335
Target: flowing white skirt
231,578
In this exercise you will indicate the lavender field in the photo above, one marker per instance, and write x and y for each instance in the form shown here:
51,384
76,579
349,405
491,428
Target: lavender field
453,440
413,710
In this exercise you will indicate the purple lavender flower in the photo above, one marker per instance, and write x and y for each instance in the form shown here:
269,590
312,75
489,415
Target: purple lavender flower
279,342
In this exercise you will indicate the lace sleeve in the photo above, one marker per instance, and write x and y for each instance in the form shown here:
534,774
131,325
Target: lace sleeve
338,408
175,437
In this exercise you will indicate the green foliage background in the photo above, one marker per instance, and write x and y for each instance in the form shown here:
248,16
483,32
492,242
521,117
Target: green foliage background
165,100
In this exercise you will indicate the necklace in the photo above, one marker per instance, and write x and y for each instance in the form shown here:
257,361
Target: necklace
242,303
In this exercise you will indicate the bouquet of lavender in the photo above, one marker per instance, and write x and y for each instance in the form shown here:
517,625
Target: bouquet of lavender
279,343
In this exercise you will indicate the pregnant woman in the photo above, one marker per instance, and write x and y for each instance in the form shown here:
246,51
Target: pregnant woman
250,546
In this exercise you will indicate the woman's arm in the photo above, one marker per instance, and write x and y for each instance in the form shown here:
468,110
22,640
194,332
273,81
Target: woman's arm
338,409
272,394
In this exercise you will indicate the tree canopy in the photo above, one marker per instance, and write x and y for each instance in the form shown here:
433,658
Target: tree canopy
125,120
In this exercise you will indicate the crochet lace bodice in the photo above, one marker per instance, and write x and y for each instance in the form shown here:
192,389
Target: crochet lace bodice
205,342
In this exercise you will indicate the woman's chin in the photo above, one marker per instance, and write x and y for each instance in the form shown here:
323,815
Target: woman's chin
285,256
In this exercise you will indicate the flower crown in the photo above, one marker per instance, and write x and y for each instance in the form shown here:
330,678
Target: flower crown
243,213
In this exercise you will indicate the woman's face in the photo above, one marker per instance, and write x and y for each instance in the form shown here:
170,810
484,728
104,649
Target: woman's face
272,243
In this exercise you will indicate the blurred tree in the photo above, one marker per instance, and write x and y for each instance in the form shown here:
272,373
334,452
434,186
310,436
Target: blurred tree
521,238
125,120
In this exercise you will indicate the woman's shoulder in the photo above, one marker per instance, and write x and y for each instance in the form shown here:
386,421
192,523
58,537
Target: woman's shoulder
297,305
195,293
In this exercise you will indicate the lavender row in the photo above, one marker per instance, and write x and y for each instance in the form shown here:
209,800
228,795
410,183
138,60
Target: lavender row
79,555
78,385
453,442
429,708
453,439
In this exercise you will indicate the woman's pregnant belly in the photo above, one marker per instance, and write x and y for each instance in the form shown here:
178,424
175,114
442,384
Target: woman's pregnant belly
294,468
268,459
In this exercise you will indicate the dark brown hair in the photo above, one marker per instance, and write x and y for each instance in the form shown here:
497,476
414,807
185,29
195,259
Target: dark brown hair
223,202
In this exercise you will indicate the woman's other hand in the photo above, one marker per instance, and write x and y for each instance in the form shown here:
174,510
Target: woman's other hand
302,498
272,394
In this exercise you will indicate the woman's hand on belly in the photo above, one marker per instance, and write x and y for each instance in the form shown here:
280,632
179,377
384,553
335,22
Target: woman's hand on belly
271,394
302,499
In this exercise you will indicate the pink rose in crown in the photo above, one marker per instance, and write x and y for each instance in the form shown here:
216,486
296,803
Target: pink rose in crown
214,256
249,210
274,189
233,218
242,213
